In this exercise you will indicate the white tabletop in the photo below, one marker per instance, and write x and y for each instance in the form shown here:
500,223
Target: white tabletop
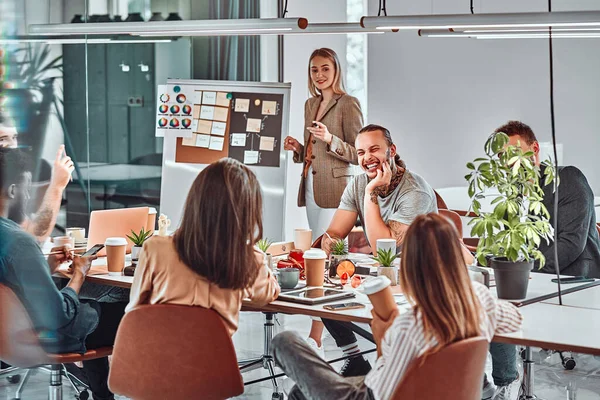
588,298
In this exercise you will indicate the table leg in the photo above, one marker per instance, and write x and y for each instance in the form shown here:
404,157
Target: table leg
528,371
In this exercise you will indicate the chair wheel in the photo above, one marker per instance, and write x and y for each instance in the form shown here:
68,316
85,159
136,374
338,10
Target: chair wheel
569,363
13,378
84,395
277,396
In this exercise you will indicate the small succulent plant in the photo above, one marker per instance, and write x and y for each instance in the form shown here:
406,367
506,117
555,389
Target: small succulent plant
264,244
385,257
138,239
339,248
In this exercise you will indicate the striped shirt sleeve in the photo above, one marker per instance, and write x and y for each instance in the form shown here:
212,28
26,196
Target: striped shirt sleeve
501,316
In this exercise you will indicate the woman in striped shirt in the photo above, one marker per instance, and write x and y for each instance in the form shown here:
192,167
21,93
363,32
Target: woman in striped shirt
447,307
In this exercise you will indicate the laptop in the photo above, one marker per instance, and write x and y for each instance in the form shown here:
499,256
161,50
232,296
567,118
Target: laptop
115,223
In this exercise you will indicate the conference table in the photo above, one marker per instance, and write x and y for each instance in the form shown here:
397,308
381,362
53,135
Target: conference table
570,327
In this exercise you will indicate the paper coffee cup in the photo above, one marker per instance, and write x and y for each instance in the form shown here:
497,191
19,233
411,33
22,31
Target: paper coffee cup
115,254
380,294
302,239
78,234
314,266
386,244
60,241
151,224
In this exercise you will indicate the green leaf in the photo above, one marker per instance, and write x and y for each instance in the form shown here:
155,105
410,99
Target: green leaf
470,165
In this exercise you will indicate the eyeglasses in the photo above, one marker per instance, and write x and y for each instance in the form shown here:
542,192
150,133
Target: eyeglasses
332,285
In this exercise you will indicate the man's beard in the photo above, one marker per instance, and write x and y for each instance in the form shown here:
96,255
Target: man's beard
17,213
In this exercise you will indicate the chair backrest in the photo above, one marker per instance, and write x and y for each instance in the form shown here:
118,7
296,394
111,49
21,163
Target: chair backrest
441,204
19,344
455,218
174,352
457,370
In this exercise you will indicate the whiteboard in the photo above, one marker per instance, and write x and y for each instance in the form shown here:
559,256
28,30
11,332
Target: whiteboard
177,177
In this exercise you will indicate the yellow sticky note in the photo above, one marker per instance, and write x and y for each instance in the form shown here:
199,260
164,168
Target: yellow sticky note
253,125
191,141
267,143
269,107
222,99
204,126
220,114
242,105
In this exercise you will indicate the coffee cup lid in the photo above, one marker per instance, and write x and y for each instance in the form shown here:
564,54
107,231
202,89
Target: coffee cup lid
115,241
375,285
386,240
315,254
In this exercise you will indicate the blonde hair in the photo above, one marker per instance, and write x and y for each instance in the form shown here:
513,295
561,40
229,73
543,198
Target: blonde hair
434,278
338,81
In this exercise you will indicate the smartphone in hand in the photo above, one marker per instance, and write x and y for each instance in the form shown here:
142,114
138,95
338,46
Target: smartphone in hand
343,306
93,251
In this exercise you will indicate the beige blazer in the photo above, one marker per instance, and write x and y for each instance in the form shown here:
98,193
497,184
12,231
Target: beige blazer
331,163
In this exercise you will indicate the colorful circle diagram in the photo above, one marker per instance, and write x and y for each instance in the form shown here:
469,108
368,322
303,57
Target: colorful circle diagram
186,122
174,123
163,122
180,98
163,109
187,109
165,98
175,109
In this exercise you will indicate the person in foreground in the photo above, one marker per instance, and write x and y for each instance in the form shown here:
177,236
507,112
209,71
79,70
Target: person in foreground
64,323
211,260
386,198
447,307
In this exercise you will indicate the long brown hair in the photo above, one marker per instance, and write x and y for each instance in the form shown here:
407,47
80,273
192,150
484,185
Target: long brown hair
434,278
221,223
338,79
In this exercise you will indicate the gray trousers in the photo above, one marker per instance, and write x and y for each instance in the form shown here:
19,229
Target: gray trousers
315,379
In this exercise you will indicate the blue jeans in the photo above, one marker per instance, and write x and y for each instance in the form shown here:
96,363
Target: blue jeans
504,363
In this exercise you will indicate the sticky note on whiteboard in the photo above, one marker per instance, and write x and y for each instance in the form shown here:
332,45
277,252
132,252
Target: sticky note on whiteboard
209,98
251,157
220,114
242,105
197,98
202,141
269,107
267,143
203,126
253,125
218,128
222,99
207,112
216,143
238,140
191,141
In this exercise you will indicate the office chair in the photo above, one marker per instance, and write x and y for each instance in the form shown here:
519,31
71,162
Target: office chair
174,352
20,347
453,381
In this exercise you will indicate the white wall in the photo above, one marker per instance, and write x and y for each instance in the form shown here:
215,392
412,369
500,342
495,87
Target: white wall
297,50
442,97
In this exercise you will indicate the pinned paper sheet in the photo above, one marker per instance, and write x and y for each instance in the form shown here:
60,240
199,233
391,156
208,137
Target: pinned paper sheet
218,128
196,112
207,112
242,105
269,107
197,98
267,143
209,98
216,143
191,141
203,126
251,157
253,125
194,125
202,141
238,140
220,114
222,99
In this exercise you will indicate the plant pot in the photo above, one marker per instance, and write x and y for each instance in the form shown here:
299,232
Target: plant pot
389,272
512,278
269,260
334,260
135,252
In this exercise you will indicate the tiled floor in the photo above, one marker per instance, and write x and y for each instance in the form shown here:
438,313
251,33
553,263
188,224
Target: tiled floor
552,382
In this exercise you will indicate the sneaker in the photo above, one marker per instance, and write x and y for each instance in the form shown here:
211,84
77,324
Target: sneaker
355,366
313,345
488,391
508,392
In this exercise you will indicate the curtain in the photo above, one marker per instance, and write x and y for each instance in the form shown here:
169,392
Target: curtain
234,57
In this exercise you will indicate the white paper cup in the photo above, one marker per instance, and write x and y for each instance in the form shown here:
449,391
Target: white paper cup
386,244
115,254
302,239
380,295
60,241
76,233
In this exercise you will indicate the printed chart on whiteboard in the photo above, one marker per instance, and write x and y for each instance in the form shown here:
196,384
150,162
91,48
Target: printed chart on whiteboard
255,128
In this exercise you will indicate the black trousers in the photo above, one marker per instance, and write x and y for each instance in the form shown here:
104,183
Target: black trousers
104,335
342,335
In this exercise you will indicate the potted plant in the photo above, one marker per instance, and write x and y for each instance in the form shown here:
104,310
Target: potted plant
263,245
386,258
510,234
138,240
339,252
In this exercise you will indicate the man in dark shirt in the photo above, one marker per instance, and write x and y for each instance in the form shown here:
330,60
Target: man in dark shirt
63,322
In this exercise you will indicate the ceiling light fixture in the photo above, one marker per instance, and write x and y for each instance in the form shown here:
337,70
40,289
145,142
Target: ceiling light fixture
511,34
466,21
173,28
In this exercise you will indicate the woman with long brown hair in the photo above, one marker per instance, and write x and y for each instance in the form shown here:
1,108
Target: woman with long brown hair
332,119
211,261
447,308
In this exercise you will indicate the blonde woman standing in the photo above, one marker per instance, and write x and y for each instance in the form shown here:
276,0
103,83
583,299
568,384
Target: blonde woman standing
332,119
